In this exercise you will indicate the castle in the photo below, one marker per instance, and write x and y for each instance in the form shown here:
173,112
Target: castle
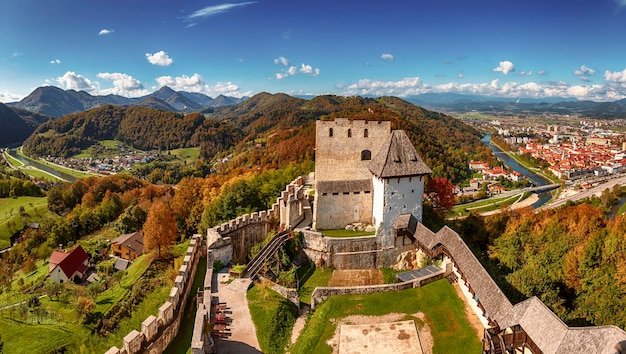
368,174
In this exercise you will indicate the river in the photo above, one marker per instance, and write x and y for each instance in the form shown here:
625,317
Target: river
537,179
41,166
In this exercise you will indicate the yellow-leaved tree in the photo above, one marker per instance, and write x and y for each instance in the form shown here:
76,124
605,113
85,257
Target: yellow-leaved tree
159,230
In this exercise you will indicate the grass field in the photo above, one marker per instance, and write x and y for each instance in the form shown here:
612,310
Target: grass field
443,309
69,171
273,318
311,278
188,154
10,218
345,233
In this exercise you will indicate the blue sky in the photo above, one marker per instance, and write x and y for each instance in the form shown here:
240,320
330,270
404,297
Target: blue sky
533,48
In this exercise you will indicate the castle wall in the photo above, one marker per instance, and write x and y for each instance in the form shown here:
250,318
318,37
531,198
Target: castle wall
351,252
157,332
337,209
232,241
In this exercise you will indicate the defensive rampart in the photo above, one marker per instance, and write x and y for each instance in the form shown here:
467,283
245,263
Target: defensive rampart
233,240
157,332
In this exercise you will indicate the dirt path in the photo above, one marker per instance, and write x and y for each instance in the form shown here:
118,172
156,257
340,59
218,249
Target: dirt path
298,326
243,337
469,313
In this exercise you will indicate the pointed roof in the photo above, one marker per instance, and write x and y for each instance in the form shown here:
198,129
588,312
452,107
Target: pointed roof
398,158
134,241
69,262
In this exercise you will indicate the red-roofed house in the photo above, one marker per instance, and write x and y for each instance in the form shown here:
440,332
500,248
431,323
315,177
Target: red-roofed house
66,266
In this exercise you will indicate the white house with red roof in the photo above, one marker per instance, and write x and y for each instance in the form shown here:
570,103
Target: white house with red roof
66,266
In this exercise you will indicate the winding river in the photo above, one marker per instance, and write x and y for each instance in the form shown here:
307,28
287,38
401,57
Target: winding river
65,176
537,179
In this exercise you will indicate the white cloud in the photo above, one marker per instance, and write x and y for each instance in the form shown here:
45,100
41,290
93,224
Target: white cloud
55,61
105,31
195,83
461,75
73,81
308,70
159,58
618,76
6,96
495,88
386,57
211,11
541,72
305,69
525,73
505,67
621,3
123,84
17,54
281,60
584,71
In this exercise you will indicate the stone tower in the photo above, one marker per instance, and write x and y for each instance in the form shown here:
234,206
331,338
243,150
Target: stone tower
398,183
343,182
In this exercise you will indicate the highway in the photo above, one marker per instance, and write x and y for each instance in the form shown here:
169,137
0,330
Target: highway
585,194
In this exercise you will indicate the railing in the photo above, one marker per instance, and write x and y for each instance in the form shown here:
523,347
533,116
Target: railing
253,267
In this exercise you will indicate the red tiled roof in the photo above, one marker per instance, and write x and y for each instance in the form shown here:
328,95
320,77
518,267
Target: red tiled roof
70,263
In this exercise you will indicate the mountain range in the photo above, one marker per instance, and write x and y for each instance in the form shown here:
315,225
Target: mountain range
56,102
459,103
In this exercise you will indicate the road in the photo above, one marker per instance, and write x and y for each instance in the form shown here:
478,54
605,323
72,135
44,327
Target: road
588,193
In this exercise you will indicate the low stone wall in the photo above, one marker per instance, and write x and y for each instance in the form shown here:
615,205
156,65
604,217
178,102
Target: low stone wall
350,252
157,332
322,293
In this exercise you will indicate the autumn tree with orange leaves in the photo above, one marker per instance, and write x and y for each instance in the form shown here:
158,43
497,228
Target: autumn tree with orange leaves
159,231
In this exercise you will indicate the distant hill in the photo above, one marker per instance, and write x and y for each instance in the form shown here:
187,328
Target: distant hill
17,124
460,103
56,102
264,130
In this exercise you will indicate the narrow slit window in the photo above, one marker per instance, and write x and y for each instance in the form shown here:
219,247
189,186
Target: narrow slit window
349,133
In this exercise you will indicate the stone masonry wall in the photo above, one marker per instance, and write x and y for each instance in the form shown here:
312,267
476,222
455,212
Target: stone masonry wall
157,332
350,252
237,236
322,293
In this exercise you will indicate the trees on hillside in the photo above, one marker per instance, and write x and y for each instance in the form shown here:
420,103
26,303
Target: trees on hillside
159,231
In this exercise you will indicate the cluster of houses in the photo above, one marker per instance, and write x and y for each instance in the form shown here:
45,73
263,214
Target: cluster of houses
103,165
570,160
489,175
76,265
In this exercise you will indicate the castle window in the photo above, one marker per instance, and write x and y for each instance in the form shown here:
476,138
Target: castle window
335,193
349,133
367,192
366,155
324,193
330,132
365,133
346,193
357,192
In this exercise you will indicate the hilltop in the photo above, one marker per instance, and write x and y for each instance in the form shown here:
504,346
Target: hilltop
280,126
17,124
56,102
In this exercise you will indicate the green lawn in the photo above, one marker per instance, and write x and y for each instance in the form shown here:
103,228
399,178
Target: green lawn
10,218
12,160
187,154
311,278
486,205
345,233
443,309
273,318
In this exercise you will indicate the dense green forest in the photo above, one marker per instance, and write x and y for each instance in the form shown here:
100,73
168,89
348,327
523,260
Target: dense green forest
572,258
140,127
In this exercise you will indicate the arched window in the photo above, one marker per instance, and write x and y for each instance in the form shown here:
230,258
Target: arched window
349,133
366,155
365,133
330,132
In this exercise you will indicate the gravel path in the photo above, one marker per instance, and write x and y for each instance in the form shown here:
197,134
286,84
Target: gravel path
243,337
